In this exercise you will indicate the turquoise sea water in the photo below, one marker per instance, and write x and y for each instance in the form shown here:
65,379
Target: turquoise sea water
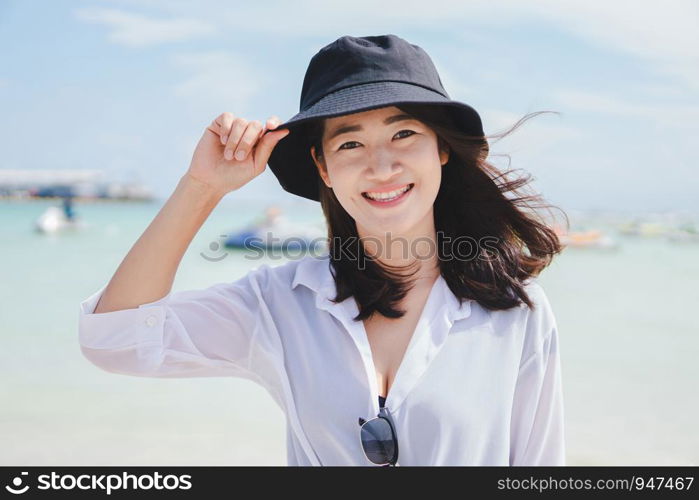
629,342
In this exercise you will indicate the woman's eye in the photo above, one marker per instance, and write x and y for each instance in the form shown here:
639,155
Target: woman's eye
351,142
355,142
411,132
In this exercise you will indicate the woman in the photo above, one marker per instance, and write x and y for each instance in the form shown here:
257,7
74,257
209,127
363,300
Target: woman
421,338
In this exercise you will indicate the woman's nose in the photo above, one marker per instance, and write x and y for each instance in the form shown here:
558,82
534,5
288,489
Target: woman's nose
383,166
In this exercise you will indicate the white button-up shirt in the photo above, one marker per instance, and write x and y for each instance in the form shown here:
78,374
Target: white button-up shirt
475,387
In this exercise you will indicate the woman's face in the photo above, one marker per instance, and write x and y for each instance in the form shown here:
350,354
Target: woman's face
376,151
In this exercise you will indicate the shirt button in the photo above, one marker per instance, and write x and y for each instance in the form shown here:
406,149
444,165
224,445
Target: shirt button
151,320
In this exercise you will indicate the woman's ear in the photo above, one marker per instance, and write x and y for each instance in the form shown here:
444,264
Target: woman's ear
321,167
444,151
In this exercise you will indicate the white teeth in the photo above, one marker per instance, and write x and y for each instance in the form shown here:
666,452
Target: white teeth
389,195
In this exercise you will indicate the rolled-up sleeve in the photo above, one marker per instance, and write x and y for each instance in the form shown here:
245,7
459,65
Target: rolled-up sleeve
537,425
216,331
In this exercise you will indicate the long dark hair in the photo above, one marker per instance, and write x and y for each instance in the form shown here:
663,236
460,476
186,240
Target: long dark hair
475,200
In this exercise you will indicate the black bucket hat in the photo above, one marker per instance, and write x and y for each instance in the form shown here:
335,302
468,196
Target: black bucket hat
354,74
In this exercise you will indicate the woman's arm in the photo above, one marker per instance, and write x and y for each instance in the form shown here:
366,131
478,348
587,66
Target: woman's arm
223,330
537,427
537,434
135,325
148,270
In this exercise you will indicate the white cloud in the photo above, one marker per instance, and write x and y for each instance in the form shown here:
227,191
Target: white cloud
217,78
215,81
663,33
452,84
591,102
536,135
134,30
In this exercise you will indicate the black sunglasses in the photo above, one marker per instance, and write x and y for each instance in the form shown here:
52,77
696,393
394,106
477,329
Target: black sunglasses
378,438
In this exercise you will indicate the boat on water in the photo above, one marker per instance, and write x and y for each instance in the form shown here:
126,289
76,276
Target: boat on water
593,238
54,220
645,229
685,233
275,231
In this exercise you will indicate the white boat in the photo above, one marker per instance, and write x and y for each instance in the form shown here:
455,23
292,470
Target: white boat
54,220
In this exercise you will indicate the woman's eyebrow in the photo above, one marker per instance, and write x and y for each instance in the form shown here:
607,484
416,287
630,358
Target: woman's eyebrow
343,129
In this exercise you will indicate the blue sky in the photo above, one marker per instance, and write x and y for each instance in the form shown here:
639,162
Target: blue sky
130,85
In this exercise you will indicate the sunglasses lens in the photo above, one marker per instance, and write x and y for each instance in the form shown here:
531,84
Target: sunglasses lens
377,441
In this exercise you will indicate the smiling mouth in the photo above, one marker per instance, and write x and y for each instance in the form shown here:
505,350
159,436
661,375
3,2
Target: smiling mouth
410,186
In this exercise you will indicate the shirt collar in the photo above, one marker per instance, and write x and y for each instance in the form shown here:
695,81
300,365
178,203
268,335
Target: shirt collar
315,273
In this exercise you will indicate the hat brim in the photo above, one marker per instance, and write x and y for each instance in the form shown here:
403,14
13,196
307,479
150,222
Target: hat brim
291,160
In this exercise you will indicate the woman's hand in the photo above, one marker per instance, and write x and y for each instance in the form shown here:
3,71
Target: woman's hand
215,162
